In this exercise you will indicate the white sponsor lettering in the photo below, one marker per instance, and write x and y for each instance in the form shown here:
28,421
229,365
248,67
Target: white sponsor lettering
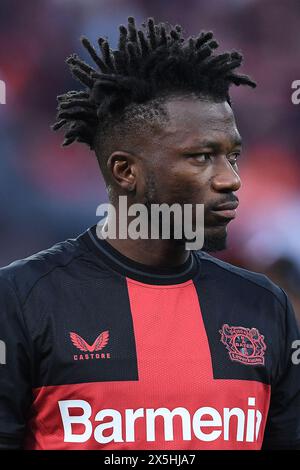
68,420
207,423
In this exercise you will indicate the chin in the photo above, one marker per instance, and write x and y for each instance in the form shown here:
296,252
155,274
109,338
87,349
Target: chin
215,240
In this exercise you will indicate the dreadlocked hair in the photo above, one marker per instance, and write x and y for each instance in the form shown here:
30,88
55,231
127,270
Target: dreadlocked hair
151,62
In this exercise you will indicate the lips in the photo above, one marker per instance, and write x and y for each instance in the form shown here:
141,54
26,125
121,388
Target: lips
226,210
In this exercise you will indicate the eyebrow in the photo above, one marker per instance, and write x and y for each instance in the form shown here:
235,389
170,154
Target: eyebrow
211,143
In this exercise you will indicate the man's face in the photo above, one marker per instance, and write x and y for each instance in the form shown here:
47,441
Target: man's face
193,159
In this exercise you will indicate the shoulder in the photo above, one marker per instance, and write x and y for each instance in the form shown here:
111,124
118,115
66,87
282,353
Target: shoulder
256,283
22,275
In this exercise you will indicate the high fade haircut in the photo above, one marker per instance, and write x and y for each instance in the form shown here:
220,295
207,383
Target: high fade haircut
132,82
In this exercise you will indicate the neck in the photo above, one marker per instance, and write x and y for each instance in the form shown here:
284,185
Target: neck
159,253
150,252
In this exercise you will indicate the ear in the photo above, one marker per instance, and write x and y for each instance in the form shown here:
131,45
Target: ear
122,166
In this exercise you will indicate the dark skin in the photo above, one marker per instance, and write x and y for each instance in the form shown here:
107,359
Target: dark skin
190,159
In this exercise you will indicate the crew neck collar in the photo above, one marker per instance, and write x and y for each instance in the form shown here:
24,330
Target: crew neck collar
132,269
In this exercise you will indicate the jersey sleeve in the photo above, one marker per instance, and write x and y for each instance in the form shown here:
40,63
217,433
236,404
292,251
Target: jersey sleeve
283,423
15,370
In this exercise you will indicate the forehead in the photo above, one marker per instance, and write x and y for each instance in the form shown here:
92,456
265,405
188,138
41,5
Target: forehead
195,119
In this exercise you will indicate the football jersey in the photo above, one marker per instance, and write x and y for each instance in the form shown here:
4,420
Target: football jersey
102,352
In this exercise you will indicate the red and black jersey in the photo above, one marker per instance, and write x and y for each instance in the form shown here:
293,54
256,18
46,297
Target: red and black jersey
106,353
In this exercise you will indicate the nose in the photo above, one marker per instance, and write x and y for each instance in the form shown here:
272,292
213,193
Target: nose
226,178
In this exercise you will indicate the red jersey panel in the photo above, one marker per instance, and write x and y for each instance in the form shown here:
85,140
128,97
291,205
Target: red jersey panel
175,404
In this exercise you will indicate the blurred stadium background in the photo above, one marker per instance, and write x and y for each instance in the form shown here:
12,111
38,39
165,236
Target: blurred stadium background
48,193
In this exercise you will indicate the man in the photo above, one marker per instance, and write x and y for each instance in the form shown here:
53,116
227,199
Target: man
142,344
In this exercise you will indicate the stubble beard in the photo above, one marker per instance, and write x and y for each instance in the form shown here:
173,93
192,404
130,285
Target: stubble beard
213,242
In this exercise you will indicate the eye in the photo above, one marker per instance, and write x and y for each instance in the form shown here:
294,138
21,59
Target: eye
233,157
201,157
